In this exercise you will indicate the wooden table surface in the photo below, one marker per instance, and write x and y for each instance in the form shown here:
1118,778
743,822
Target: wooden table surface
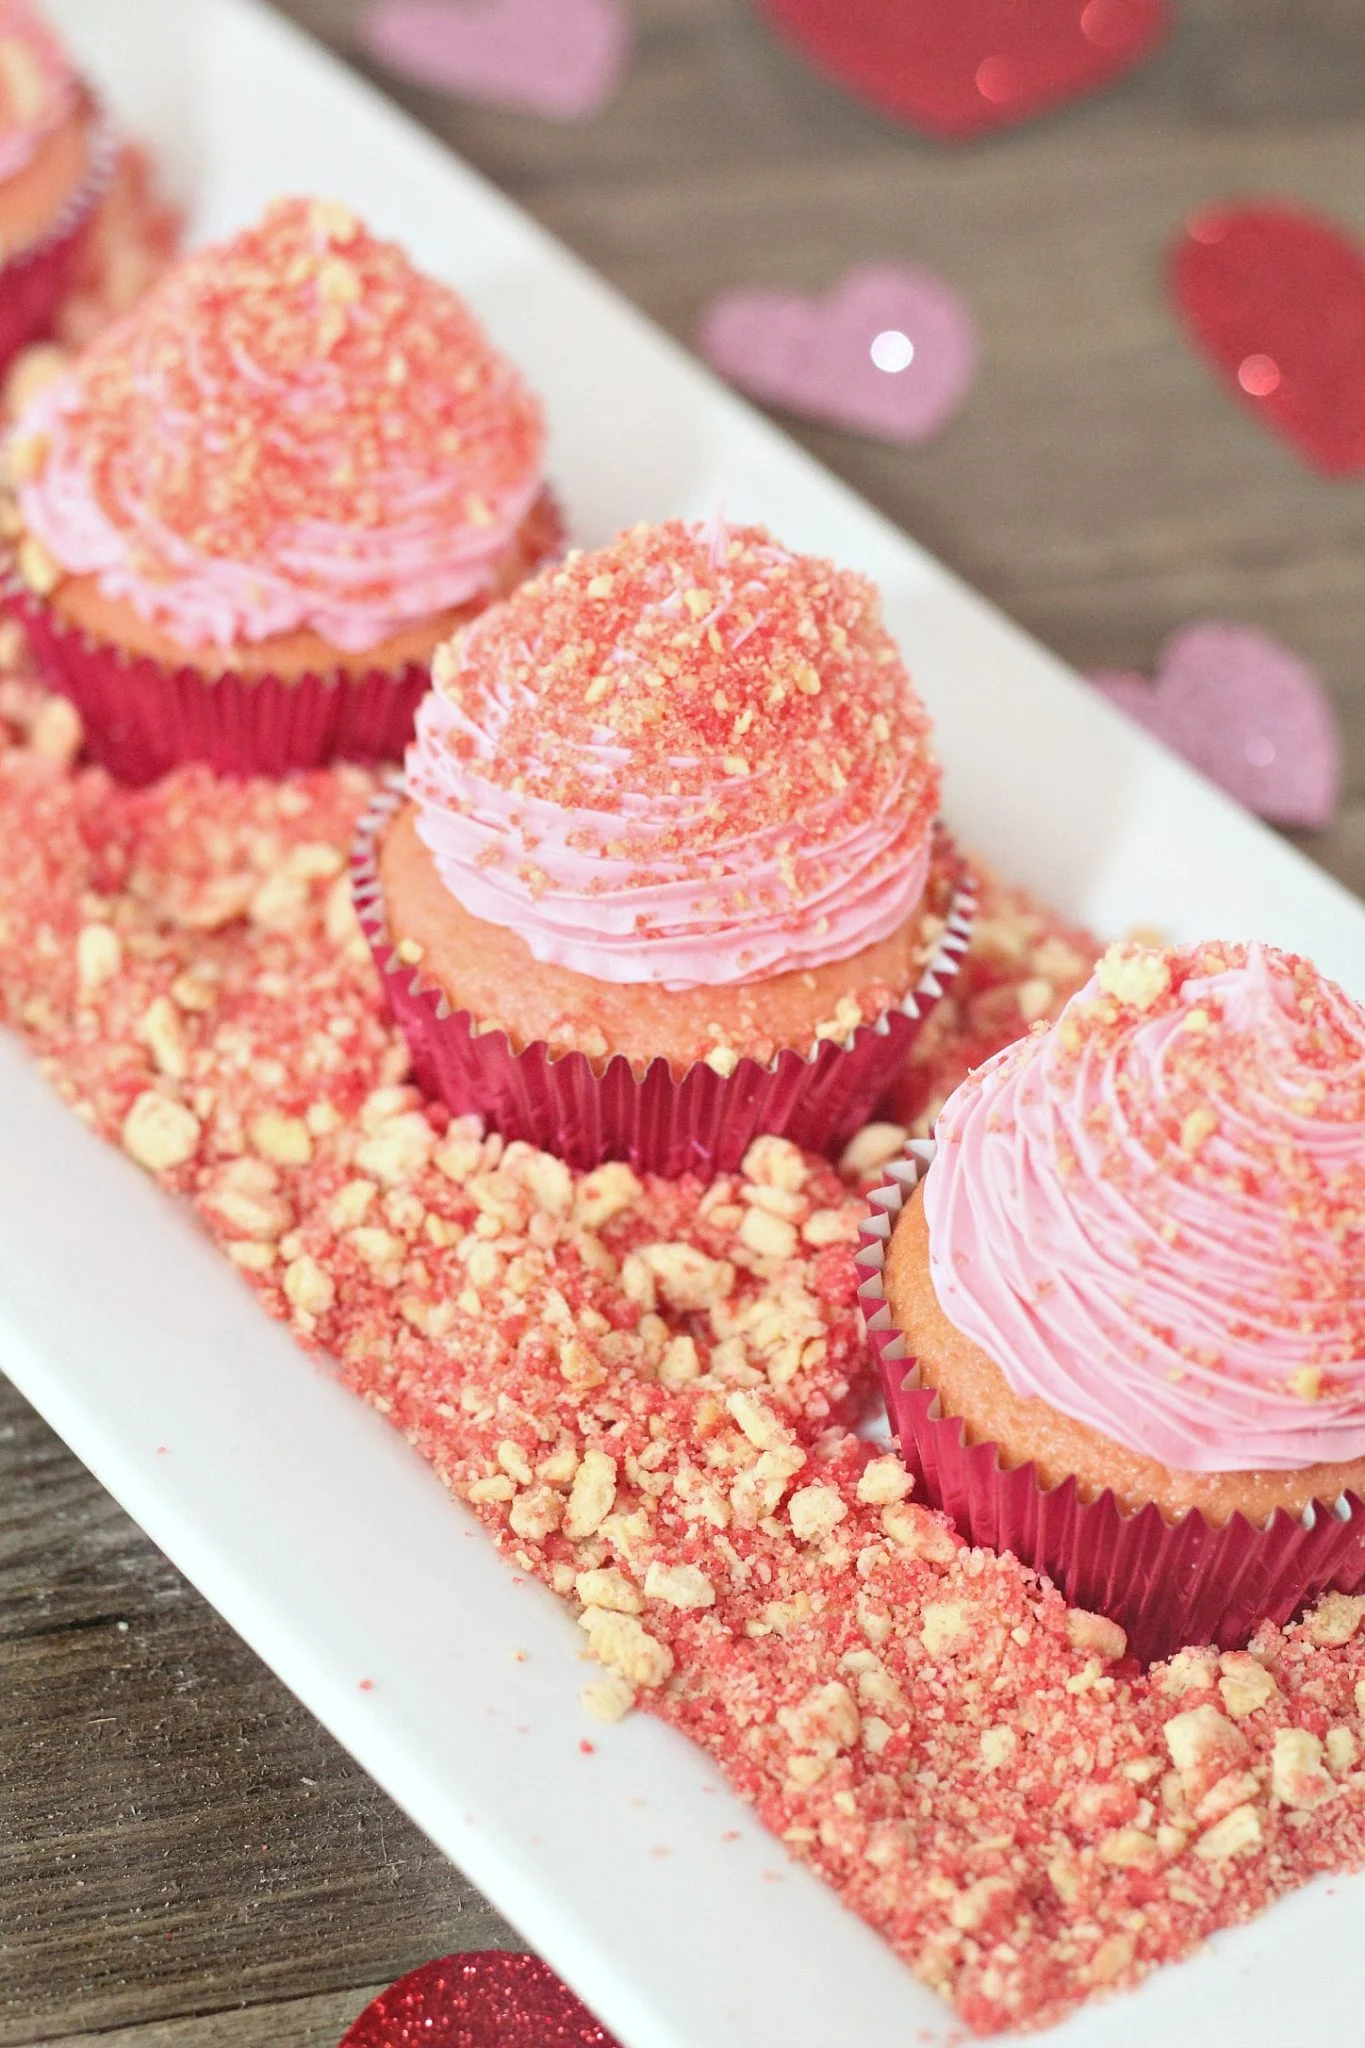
185,1857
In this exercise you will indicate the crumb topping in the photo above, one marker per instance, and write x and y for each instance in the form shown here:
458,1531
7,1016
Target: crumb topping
692,758
1259,1097
643,1394
297,385
679,651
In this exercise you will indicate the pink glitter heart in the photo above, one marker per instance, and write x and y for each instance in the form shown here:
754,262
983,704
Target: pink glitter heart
563,58
1247,713
890,352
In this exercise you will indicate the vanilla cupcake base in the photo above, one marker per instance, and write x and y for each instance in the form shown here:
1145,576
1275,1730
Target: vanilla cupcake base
489,970
141,718
588,1107
264,714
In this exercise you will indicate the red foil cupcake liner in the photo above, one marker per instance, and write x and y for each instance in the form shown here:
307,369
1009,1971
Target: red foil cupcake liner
1167,1584
34,279
142,718
700,1121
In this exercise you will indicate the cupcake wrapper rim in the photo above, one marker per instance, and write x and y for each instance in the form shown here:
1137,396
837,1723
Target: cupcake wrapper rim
143,717
701,1120
34,277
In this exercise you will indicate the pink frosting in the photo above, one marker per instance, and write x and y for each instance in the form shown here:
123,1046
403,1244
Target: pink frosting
37,85
1152,1215
587,911
295,430
616,889
426,566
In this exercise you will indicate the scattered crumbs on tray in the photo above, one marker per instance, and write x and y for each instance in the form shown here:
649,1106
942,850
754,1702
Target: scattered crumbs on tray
645,1391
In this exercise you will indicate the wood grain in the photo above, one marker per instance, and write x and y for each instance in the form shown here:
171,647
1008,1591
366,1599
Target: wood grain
294,2023
177,1835
184,1855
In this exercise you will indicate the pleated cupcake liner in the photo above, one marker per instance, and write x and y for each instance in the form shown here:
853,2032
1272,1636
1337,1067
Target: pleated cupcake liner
699,1121
143,717
1167,1584
34,278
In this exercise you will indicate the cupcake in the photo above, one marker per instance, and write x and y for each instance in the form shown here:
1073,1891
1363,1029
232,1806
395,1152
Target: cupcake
55,157
251,510
1122,1313
669,872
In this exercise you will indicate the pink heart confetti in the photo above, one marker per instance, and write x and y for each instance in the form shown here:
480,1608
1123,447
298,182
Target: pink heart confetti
889,352
563,58
1247,713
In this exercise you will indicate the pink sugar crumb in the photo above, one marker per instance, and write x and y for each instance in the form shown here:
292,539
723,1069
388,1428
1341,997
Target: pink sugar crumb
651,1416
1023,964
683,657
399,381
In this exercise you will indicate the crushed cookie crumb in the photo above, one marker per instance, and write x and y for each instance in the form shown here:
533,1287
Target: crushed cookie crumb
655,1419
1135,976
282,299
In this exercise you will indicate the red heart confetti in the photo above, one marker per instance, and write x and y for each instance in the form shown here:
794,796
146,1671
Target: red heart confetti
890,351
561,58
1276,299
1247,713
961,67
486,1999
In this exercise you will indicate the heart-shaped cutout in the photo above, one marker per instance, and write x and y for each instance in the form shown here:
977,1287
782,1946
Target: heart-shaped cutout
960,67
1276,299
1247,713
889,352
564,58
487,1999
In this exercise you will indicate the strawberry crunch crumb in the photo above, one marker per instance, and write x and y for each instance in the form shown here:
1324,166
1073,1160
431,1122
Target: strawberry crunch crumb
642,1389
133,239
1259,1115
395,390
1022,966
679,647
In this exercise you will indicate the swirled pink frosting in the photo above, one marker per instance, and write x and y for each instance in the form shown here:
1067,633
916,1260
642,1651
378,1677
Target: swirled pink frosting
294,430
1152,1215
691,758
37,85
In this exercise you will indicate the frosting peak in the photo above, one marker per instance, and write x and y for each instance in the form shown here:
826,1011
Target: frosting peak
37,85
294,429
1152,1214
690,758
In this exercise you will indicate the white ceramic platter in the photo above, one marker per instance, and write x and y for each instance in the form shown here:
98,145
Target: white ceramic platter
302,1517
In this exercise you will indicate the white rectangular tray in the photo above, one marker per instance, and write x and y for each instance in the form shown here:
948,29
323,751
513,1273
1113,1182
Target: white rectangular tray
318,1534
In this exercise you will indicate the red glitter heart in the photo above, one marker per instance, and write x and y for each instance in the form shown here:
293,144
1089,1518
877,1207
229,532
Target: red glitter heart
961,67
487,1999
1276,298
